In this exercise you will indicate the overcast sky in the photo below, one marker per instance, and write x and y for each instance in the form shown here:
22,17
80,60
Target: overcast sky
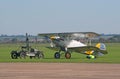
46,16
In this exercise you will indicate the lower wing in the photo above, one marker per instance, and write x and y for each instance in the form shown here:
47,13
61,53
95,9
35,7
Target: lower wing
98,50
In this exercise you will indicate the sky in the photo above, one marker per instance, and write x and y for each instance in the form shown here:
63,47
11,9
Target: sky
54,16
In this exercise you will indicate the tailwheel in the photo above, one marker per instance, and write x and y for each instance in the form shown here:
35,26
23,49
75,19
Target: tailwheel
57,55
67,55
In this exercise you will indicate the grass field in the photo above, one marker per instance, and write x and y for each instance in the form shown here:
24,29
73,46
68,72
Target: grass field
112,57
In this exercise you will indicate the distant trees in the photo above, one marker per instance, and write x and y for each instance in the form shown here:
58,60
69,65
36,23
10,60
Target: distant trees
14,40
112,39
35,39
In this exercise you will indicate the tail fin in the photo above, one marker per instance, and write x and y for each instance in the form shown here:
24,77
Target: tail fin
101,46
101,52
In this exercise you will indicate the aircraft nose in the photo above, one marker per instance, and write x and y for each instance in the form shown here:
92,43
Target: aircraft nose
52,37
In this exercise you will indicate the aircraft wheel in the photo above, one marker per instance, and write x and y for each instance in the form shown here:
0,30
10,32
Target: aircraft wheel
67,55
57,55
14,55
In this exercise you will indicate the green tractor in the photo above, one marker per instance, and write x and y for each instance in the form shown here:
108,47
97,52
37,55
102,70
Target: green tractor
27,51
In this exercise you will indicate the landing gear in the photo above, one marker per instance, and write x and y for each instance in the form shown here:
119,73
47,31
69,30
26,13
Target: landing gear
67,55
57,55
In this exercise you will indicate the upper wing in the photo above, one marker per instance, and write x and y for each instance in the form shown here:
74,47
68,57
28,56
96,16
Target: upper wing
69,34
88,48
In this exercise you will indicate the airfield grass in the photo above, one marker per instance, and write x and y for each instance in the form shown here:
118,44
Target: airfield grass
113,55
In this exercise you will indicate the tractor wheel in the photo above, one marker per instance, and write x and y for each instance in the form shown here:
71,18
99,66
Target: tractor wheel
14,55
67,55
57,55
31,57
40,54
23,54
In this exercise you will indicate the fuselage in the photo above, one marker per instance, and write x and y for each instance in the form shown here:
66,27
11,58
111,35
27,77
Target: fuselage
67,43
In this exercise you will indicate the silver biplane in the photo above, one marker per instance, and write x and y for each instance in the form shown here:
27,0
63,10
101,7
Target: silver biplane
71,42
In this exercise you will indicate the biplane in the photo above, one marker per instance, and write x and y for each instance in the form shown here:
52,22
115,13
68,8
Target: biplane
79,42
